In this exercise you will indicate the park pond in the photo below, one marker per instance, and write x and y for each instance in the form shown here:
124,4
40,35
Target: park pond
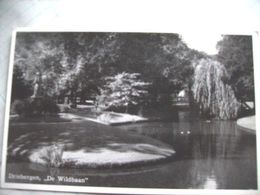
209,155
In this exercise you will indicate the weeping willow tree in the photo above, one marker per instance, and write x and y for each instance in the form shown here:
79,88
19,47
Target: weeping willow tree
214,97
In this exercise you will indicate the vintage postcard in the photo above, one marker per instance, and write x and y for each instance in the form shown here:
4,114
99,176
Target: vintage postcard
150,112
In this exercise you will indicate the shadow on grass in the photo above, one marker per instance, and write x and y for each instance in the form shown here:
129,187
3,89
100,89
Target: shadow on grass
38,119
89,137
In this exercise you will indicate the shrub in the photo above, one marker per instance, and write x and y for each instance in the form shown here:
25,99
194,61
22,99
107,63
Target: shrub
53,156
49,106
36,106
49,155
18,107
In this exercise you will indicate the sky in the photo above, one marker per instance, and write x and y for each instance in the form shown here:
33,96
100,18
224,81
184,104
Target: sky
171,16
205,42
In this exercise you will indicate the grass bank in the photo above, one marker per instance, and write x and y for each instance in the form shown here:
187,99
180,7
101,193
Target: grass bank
82,144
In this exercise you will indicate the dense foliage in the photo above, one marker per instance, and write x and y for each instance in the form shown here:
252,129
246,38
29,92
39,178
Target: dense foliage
29,107
21,88
74,64
236,53
114,66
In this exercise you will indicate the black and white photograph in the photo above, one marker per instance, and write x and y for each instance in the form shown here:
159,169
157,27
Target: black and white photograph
130,110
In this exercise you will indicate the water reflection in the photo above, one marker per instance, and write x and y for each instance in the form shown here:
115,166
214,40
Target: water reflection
210,183
211,153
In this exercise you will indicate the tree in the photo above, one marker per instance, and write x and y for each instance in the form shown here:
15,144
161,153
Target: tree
41,53
21,88
123,90
164,60
213,95
70,63
90,58
74,64
236,53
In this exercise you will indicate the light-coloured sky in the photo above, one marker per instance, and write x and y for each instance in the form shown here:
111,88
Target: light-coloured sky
205,42
194,17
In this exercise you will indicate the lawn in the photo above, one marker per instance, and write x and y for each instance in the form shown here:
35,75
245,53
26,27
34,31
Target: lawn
82,144
55,118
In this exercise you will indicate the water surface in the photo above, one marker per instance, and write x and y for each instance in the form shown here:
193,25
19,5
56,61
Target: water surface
209,155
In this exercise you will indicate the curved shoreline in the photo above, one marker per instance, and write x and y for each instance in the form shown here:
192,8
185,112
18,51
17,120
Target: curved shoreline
115,149
109,166
247,124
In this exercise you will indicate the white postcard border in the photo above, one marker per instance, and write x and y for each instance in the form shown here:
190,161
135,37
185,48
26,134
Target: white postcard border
120,190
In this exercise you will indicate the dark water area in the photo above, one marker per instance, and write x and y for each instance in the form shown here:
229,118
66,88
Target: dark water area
209,155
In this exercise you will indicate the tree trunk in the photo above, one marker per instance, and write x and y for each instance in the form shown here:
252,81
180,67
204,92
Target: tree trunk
73,98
